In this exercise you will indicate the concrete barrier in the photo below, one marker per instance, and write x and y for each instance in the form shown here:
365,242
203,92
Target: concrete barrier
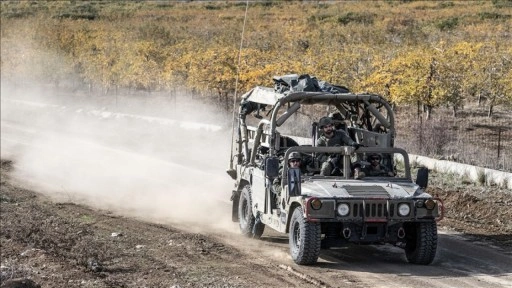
473,173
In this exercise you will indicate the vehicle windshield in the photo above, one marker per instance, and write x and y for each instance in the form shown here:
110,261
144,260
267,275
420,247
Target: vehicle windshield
350,163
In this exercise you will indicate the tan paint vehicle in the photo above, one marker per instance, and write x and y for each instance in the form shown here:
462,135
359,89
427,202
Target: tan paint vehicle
320,212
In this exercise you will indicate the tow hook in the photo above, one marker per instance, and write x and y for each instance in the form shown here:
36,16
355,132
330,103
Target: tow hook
401,233
346,233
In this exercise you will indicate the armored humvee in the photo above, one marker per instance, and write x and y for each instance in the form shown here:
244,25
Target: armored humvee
324,211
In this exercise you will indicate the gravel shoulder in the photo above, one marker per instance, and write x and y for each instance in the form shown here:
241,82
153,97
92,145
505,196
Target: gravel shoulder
480,212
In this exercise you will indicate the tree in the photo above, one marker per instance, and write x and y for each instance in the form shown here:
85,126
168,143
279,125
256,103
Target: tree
454,81
408,79
494,75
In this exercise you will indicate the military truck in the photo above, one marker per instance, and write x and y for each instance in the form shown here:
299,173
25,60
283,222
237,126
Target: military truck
326,211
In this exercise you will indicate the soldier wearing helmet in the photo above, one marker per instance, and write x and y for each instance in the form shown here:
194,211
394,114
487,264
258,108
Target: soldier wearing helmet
376,168
294,161
331,137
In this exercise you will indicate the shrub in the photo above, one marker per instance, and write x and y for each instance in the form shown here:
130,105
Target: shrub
319,17
212,7
433,136
481,177
361,18
493,16
16,14
443,5
502,3
448,24
85,11
156,33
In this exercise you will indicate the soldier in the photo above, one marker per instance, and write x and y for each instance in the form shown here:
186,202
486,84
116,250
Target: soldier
294,161
331,137
375,168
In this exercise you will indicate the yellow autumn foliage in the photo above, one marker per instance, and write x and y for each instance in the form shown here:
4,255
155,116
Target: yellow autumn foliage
410,52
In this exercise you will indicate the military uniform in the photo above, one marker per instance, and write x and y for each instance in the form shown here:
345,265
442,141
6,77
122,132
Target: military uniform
276,184
339,138
379,170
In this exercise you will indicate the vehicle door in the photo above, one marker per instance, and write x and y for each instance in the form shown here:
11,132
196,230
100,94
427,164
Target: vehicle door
258,189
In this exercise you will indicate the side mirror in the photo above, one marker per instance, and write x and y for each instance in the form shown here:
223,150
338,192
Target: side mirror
272,167
294,182
232,173
422,177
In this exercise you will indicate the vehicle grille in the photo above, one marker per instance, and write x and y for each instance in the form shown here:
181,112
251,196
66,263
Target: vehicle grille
367,191
372,209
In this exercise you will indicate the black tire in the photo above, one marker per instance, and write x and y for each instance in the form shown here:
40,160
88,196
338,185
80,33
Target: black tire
421,243
246,220
305,239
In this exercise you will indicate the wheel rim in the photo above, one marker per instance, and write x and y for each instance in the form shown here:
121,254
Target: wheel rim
296,235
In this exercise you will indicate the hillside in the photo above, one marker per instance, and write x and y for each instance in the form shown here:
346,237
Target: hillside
437,53
449,78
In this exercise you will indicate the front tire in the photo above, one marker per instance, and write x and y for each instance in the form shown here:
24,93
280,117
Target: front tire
421,243
305,239
248,225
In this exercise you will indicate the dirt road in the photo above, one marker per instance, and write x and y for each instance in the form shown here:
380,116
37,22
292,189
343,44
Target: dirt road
115,203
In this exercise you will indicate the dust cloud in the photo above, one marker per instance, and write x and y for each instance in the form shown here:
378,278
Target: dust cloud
122,152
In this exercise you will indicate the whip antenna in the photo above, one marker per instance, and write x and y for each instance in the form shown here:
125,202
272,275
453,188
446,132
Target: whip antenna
230,171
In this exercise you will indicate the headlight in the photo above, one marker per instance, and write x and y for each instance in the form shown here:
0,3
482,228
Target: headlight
343,209
316,204
430,204
404,209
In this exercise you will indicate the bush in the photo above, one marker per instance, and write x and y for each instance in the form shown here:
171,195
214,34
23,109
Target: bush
85,11
16,14
481,177
448,24
212,7
156,33
431,137
493,16
360,18
502,3
319,17
443,5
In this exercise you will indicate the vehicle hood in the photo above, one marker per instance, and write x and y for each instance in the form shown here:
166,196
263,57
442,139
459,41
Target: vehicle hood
357,188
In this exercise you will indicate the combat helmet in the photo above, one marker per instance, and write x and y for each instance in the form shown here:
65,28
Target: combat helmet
294,155
324,121
375,155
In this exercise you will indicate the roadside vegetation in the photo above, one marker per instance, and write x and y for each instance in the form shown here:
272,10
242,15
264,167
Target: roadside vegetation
453,58
432,53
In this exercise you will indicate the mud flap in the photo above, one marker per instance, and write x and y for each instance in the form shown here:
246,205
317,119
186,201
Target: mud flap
256,224
235,197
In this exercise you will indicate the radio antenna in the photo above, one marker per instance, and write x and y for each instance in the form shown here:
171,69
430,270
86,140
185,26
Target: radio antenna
236,87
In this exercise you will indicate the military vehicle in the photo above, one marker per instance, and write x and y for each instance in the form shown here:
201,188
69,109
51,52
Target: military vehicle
326,211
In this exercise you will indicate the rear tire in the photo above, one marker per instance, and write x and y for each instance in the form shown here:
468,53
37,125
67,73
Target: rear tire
305,239
248,225
421,243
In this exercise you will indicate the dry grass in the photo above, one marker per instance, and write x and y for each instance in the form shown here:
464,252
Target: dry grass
471,138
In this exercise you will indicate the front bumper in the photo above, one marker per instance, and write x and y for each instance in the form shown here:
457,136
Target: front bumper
374,210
